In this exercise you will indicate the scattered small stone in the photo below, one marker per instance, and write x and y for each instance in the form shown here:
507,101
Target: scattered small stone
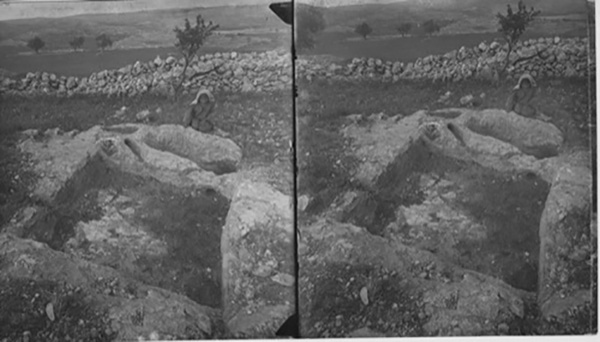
154,336
303,202
364,295
338,320
121,111
50,311
143,115
444,98
466,100
263,270
284,279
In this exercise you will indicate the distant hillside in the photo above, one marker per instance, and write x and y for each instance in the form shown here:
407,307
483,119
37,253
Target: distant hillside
26,9
459,16
238,25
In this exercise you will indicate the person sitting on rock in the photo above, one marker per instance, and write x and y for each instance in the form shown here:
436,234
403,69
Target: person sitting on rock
521,97
202,107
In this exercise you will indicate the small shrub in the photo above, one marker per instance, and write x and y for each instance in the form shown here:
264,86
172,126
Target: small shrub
404,28
36,44
431,26
363,30
77,43
103,41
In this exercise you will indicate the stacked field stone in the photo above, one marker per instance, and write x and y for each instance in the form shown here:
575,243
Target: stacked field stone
272,70
551,57
231,71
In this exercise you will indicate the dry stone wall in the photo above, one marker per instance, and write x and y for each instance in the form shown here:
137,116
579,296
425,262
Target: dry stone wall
230,71
559,58
272,70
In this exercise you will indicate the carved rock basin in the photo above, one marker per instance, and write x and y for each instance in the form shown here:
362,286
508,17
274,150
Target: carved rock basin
166,222
453,194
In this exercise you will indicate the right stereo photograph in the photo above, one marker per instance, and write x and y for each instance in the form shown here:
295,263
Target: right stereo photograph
446,178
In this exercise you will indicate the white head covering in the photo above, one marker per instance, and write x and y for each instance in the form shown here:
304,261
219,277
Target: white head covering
202,91
523,77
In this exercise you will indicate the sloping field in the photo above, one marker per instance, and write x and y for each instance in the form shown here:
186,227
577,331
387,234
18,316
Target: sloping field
140,29
464,23
136,36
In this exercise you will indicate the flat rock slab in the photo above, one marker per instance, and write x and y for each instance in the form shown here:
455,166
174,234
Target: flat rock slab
378,142
56,157
134,309
258,261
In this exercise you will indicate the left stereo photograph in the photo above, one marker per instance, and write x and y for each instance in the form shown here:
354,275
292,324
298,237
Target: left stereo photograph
146,170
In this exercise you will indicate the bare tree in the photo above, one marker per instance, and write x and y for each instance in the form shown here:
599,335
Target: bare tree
512,25
190,39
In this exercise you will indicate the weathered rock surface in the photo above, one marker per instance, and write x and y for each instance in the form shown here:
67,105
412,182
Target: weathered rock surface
258,266
125,299
493,138
56,157
210,152
531,136
566,242
379,144
460,205
173,162
453,301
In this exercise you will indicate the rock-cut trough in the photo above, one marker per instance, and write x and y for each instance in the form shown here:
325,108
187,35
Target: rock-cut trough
472,214
157,225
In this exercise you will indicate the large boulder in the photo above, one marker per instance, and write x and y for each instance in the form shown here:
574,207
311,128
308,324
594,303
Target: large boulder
210,152
257,250
533,137
566,242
